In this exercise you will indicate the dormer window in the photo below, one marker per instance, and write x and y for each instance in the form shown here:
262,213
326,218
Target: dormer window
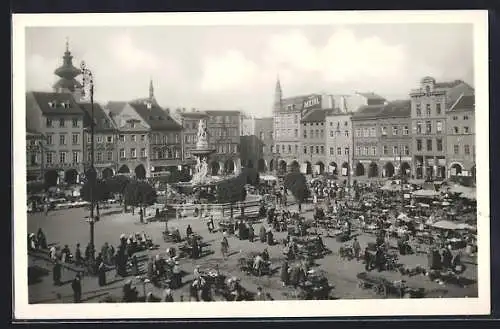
148,105
52,105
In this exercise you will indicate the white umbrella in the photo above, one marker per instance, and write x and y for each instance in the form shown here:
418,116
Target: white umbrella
445,225
426,193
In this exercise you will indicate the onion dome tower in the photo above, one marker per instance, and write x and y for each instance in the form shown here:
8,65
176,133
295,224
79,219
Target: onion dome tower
67,74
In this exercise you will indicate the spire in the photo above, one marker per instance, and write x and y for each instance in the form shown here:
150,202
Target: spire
67,44
151,89
278,95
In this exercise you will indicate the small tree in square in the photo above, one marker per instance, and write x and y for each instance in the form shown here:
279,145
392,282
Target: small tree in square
296,182
139,194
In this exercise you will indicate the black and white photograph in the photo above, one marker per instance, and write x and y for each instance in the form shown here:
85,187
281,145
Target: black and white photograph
256,164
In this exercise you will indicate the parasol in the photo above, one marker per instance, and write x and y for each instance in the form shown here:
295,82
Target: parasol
426,193
445,225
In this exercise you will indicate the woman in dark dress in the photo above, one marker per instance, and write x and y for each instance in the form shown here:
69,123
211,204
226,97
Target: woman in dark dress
56,274
101,274
284,275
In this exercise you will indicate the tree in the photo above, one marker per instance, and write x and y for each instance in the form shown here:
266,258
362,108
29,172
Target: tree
296,182
35,187
251,176
100,192
139,194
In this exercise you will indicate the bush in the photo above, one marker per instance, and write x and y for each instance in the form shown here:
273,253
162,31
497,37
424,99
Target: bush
297,184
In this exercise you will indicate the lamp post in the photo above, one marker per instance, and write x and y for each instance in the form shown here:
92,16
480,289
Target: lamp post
88,80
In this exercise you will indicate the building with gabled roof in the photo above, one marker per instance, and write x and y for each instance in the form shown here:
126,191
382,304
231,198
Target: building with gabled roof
461,137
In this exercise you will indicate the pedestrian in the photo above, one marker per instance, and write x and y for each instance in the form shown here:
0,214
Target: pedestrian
356,248
56,274
260,295
224,246
76,285
78,255
284,275
101,271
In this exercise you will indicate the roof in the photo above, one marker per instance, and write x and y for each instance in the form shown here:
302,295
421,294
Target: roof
315,116
298,101
155,117
448,84
222,112
464,102
103,122
52,103
193,115
116,107
70,84
396,109
368,112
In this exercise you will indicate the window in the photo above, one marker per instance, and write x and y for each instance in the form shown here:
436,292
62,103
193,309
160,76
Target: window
75,157
143,138
296,149
322,133
331,150
121,138
295,119
331,124
62,157
438,109
429,145
48,123
48,158
89,157
365,150
358,150
109,156
455,149
132,124
109,139
75,139
346,151
75,123
305,133
305,149
373,133
406,130
419,145
133,153
454,118
406,150
132,138
61,123
466,130
122,153
99,156
385,150
383,131
317,133
283,148
466,149
466,117
99,139
395,150
322,149
346,123
418,110
339,151
277,148
358,132
312,133
455,130
439,144
366,132
428,127
49,139
428,110
374,150
439,127
317,149
331,132
311,149
419,127
62,139
395,130
346,133
289,148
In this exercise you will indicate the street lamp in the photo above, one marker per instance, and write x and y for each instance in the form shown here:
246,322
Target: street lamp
88,80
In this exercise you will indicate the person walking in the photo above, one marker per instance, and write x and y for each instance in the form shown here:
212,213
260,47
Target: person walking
56,273
76,285
224,247
101,271
356,248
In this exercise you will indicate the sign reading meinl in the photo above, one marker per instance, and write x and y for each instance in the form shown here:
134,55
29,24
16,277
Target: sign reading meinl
313,101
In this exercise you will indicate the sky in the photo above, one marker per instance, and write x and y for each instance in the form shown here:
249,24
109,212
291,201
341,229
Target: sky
236,67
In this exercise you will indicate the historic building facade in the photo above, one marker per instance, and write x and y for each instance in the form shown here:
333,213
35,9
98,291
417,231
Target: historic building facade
366,140
461,144
339,142
256,143
35,145
313,153
429,104
394,122
105,141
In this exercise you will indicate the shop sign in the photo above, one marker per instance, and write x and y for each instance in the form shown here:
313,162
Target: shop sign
314,101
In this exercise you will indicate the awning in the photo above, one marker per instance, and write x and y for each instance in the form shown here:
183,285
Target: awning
426,193
446,225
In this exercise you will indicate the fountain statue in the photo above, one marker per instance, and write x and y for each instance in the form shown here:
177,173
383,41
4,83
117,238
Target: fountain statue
202,152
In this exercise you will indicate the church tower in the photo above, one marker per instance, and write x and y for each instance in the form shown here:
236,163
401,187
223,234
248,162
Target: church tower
278,96
67,74
151,90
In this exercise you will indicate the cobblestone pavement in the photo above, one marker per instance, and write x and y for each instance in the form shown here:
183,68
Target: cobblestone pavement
69,226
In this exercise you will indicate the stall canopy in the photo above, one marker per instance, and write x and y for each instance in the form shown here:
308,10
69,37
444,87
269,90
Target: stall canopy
269,178
464,191
426,194
446,225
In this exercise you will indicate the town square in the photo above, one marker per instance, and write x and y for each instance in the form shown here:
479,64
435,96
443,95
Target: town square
350,187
